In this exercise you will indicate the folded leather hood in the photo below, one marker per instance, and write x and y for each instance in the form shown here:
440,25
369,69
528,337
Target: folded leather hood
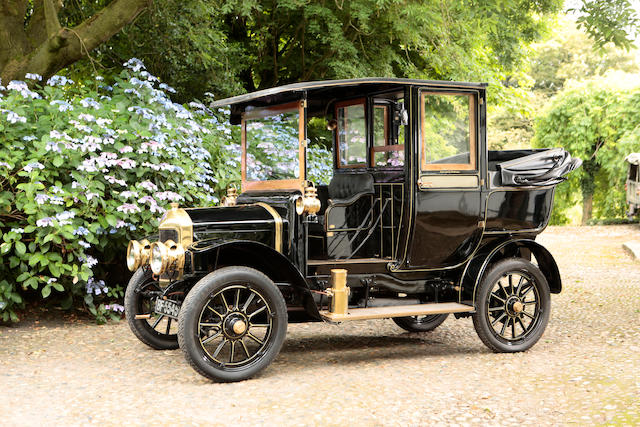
547,167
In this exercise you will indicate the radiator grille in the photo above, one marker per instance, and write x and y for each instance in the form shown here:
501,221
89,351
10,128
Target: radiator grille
168,235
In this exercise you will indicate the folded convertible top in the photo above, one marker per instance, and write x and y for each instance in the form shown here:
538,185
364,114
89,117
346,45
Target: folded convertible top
633,158
547,167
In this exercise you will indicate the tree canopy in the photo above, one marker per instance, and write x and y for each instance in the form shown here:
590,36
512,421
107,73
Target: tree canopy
233,46
595,120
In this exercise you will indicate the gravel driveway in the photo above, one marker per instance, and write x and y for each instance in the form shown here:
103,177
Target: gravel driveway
584,370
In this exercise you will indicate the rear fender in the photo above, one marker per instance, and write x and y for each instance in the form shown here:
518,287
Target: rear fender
256,255
513,248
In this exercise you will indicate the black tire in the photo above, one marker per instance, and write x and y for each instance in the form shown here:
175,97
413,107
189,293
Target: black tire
235,305
157,332
513,304
420,323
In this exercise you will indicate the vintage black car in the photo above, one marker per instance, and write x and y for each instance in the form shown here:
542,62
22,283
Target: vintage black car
418,220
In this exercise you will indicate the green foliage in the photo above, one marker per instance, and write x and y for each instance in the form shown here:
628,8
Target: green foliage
242,45
610,21
86,166
596,121
568,54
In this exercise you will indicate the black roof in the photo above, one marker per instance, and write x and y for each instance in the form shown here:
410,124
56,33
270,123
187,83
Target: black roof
329,90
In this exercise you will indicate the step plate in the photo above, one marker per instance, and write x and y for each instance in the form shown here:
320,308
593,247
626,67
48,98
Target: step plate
396,311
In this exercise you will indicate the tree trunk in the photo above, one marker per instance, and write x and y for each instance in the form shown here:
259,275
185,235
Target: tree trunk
587,208
44,47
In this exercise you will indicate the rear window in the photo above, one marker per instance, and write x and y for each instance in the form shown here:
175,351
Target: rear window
351,134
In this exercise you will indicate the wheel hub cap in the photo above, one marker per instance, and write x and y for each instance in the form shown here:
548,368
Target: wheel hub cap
514,306
517,307
235,325
239,327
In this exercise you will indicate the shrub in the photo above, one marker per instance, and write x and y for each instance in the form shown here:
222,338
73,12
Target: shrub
86,166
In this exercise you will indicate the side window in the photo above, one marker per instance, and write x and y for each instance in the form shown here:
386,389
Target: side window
351,134
388,138
448,131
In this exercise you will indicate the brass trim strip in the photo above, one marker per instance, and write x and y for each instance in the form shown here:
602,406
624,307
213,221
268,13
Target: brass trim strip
278,224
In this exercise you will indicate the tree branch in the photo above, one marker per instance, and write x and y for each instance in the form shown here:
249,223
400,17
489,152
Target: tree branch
103,25
51,18
67,45
38,28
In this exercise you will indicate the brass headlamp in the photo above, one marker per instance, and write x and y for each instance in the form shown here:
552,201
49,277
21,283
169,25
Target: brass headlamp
138,254
166,256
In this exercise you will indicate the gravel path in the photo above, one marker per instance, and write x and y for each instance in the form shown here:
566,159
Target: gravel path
584,370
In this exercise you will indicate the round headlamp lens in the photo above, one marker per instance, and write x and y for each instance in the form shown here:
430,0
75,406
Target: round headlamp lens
133,255
158,258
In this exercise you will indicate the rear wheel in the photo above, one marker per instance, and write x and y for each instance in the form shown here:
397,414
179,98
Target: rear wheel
513,303
232,324
420,323
156,331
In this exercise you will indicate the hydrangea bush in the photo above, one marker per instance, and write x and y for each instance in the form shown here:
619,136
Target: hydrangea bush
86,166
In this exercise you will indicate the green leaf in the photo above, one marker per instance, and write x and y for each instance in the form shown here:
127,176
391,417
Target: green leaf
58,287
46,291
112,220
14,262
54,269
33,260
21,249
58,161
32,281
23,276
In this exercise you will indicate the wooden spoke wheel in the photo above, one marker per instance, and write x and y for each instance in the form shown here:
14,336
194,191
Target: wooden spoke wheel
512,306
232,324
155,330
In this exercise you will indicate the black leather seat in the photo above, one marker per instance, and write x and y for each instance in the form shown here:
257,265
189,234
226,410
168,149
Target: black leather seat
346,188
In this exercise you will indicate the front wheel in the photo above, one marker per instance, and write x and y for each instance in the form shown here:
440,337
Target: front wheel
155,330
232,324
513,303
420,323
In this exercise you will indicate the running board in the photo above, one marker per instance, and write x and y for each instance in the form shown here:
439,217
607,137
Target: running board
396,311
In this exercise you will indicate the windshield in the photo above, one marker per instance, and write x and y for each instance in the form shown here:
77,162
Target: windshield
272,146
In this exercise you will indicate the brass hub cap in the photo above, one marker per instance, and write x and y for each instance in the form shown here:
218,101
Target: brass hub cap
235,325
239,327
517,307
514,306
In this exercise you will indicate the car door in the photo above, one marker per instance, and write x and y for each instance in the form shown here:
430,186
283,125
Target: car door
448,214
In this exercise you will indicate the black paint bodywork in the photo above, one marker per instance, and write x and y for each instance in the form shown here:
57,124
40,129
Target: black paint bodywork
430,244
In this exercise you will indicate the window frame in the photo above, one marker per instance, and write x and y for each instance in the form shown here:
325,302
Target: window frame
473,134
358,101
275,184
388,146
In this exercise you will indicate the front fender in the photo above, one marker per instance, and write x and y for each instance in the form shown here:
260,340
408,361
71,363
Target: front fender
522,248
209,255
